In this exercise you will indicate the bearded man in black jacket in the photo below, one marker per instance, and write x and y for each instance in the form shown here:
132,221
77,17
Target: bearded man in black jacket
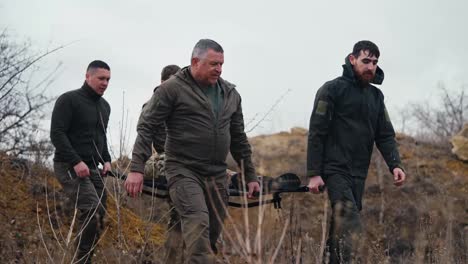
349,115
78,132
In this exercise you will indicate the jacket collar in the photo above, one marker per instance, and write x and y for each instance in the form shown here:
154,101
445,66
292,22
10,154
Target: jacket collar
348,72
185,75
89,92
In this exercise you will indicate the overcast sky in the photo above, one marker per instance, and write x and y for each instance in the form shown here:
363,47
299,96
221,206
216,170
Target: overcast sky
270,47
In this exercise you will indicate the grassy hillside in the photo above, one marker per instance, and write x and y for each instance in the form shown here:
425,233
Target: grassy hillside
425,221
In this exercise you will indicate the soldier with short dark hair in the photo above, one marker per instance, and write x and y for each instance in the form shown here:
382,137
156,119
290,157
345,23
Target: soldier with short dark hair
159,135
154,168
168,71
349,115
78,132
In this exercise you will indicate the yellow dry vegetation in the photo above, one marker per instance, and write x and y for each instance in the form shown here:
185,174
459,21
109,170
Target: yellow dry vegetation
423,221
30,220
134,230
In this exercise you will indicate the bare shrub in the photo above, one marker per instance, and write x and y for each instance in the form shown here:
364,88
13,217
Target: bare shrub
22,96
440,122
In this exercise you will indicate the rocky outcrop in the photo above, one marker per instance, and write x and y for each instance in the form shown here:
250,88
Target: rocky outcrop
460,144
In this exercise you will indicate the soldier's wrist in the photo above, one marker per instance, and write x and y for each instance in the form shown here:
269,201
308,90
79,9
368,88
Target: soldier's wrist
399,166
313,173
75,162
140,168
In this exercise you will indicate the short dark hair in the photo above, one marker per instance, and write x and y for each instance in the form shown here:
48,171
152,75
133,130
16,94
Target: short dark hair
96,64
366,45
203,45
168,71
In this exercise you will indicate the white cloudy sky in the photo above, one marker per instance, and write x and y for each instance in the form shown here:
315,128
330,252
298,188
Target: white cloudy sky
270,47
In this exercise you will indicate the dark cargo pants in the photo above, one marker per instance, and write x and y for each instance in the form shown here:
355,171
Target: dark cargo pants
90,198
201,205
345,195
154,170
174,242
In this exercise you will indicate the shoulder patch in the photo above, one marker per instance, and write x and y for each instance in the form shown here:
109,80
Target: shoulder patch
321,107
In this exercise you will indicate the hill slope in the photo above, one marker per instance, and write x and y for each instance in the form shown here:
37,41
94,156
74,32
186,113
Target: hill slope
425,221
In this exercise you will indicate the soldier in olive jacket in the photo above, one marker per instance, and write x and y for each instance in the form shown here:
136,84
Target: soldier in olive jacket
349,115
204,121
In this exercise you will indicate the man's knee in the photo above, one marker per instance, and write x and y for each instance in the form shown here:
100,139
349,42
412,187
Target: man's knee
91,219
195,226
192,212
187,196
346,217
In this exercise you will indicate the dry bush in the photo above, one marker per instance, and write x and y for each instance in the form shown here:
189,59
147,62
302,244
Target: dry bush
422,222
22,96
440,122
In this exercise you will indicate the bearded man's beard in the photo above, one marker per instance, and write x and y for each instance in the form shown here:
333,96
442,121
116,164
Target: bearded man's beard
365,78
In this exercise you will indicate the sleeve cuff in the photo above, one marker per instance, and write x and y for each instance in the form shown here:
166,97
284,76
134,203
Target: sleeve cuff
312,173
137,168
75,161
397,166
251,178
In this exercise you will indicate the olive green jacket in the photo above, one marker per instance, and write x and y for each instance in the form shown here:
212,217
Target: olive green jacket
197,143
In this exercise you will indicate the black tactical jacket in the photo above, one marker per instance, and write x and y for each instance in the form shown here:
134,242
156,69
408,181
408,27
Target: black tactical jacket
78,127
347,119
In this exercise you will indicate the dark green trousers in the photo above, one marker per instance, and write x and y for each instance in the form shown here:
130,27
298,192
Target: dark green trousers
201,205
345,194
174,245
89,196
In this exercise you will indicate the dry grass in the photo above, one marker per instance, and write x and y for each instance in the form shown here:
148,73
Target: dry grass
38,220
424,221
